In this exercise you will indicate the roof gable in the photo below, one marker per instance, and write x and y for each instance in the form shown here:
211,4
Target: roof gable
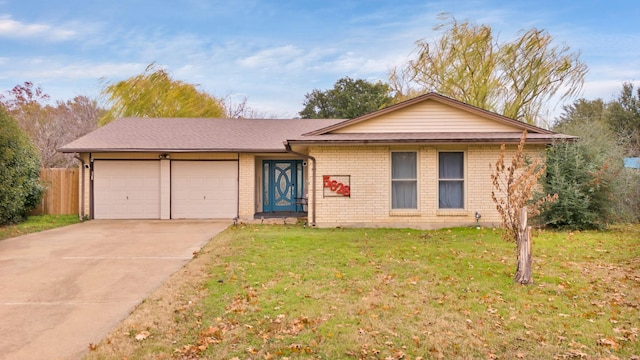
430,113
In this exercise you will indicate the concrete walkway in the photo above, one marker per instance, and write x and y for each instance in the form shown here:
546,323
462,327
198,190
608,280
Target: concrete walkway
65,288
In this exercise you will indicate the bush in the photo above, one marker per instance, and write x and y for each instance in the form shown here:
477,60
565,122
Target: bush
627,196
584,184
20,187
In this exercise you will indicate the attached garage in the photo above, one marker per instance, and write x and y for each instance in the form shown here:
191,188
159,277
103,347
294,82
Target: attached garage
126,189
204,189
163,189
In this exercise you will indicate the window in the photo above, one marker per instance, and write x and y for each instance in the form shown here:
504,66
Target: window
404,180
451,180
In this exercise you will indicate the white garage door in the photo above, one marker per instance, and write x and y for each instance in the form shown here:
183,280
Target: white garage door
204,189
126,189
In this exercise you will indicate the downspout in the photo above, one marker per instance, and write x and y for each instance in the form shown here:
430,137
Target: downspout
91,202
82,195
235,220
313,180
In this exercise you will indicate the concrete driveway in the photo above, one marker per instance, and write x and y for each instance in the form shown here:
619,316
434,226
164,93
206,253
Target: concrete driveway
65,288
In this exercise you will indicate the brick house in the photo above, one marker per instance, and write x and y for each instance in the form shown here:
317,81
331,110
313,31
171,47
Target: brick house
420,163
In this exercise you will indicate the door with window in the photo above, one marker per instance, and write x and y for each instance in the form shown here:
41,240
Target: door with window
283,185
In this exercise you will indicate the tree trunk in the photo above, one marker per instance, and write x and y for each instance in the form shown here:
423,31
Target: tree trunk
524,274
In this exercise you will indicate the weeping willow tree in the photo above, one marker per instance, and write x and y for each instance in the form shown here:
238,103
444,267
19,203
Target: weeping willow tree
155,94
516,79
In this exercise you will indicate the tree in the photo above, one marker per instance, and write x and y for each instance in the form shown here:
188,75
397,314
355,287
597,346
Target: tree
515,79
593,187
348,99
51,126
580,113
155,94
20,187
624,118
513,188
583,182
240,109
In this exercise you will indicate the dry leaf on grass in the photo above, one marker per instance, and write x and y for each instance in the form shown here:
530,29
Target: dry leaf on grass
142,335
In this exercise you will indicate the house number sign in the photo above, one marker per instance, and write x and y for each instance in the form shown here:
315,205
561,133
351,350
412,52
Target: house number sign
336,185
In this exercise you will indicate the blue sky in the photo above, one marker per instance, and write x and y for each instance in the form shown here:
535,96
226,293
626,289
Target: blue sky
274,52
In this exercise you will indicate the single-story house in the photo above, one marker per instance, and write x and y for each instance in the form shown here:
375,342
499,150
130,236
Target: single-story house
420,163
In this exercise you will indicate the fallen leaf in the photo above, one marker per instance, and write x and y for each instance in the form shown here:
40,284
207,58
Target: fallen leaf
608,343
142,335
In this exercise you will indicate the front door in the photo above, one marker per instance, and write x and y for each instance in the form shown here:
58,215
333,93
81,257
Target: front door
283,185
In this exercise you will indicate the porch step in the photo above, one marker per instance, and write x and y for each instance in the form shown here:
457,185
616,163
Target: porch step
279,218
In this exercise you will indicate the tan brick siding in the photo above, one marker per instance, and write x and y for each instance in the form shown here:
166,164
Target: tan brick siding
370,203
247,186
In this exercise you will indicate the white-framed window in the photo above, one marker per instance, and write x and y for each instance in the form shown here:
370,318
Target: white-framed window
404,180
451,180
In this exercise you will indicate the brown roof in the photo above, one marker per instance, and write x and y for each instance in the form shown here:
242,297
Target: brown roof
270,135
426,138
194,135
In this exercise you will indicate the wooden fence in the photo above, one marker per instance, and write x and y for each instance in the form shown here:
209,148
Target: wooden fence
61,196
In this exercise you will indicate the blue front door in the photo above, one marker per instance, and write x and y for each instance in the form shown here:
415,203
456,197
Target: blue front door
282,185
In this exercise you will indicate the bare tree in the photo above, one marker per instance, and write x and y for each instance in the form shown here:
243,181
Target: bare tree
514,185
51,126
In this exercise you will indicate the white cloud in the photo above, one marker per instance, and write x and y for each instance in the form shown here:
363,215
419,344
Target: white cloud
41,68
14,29
271,58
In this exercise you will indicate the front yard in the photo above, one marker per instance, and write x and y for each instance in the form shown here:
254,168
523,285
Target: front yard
37,223
273,292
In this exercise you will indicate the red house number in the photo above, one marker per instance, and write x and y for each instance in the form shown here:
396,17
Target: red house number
338,187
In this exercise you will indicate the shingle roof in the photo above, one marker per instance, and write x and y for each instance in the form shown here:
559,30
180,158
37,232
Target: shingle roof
427,138
195,135
270,135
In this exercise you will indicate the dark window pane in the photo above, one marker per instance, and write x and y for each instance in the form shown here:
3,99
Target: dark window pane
451,195
404,195
403,165
451,165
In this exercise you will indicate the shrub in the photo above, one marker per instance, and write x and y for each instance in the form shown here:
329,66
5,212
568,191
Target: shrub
584,184
20,187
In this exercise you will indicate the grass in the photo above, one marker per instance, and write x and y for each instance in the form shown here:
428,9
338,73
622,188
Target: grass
37,223
267,292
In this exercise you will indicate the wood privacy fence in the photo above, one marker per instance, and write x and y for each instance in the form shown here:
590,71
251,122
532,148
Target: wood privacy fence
61,196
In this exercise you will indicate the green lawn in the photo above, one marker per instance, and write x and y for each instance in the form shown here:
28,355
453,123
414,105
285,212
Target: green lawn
36,224
289,292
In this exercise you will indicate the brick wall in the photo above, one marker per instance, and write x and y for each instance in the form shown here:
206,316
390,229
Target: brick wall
246,186
370,202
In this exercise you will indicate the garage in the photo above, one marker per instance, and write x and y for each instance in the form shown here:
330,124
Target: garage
204,189
126,189
135,189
